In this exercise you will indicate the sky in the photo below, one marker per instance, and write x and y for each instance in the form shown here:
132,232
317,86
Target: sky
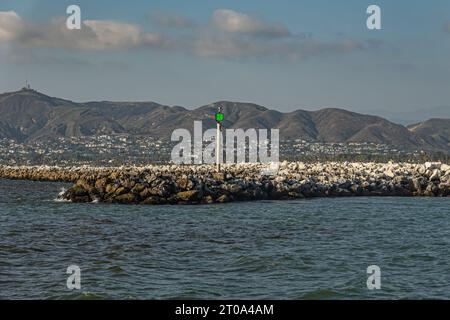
285,54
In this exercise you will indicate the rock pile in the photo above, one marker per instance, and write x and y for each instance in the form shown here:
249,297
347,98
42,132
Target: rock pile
173,184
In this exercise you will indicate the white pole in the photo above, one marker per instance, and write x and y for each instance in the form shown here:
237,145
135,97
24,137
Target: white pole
218,148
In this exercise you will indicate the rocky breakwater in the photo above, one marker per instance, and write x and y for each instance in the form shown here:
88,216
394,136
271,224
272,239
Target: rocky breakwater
173,184
49,173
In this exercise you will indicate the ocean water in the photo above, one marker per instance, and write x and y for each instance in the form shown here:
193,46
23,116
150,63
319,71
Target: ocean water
303,249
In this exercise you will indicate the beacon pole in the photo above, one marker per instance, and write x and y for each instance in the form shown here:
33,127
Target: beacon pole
219,119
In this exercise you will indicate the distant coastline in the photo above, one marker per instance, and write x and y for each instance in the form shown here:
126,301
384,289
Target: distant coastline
31,117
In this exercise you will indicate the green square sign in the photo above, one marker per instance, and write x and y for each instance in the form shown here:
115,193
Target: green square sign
219,117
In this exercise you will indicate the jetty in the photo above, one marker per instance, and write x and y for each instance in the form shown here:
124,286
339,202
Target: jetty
201,184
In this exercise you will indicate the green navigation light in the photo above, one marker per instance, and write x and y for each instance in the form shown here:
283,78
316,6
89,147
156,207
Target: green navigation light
219,117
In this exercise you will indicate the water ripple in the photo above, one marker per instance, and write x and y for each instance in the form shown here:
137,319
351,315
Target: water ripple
303,249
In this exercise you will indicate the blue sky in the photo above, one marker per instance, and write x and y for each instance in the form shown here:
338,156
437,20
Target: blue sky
282,54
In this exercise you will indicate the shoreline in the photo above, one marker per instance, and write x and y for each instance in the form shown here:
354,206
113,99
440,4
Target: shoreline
200,184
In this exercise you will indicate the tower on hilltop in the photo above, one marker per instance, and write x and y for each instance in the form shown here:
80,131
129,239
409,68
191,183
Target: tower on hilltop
27,86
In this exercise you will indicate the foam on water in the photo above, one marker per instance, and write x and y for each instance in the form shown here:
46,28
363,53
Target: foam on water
59,198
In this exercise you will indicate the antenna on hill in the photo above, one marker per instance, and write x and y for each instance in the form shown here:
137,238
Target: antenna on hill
27,85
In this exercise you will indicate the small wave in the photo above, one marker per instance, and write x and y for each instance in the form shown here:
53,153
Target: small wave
62,191
60,198
320,294
116,269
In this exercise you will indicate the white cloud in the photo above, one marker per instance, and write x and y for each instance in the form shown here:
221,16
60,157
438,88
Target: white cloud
10,25
232,21
94,34
118,35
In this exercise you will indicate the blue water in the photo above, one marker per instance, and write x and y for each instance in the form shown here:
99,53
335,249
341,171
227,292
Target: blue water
303,249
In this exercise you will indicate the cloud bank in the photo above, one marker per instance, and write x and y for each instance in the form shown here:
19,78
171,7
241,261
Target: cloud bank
228,35
94,34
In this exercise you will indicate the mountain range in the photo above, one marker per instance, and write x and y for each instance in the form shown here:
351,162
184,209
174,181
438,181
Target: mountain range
28,115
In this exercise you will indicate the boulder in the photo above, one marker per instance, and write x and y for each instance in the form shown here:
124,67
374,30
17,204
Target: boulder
125,198
191,195
389,174
151,200
223,198
435,175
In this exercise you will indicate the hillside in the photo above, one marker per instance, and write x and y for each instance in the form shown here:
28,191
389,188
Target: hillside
30,115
